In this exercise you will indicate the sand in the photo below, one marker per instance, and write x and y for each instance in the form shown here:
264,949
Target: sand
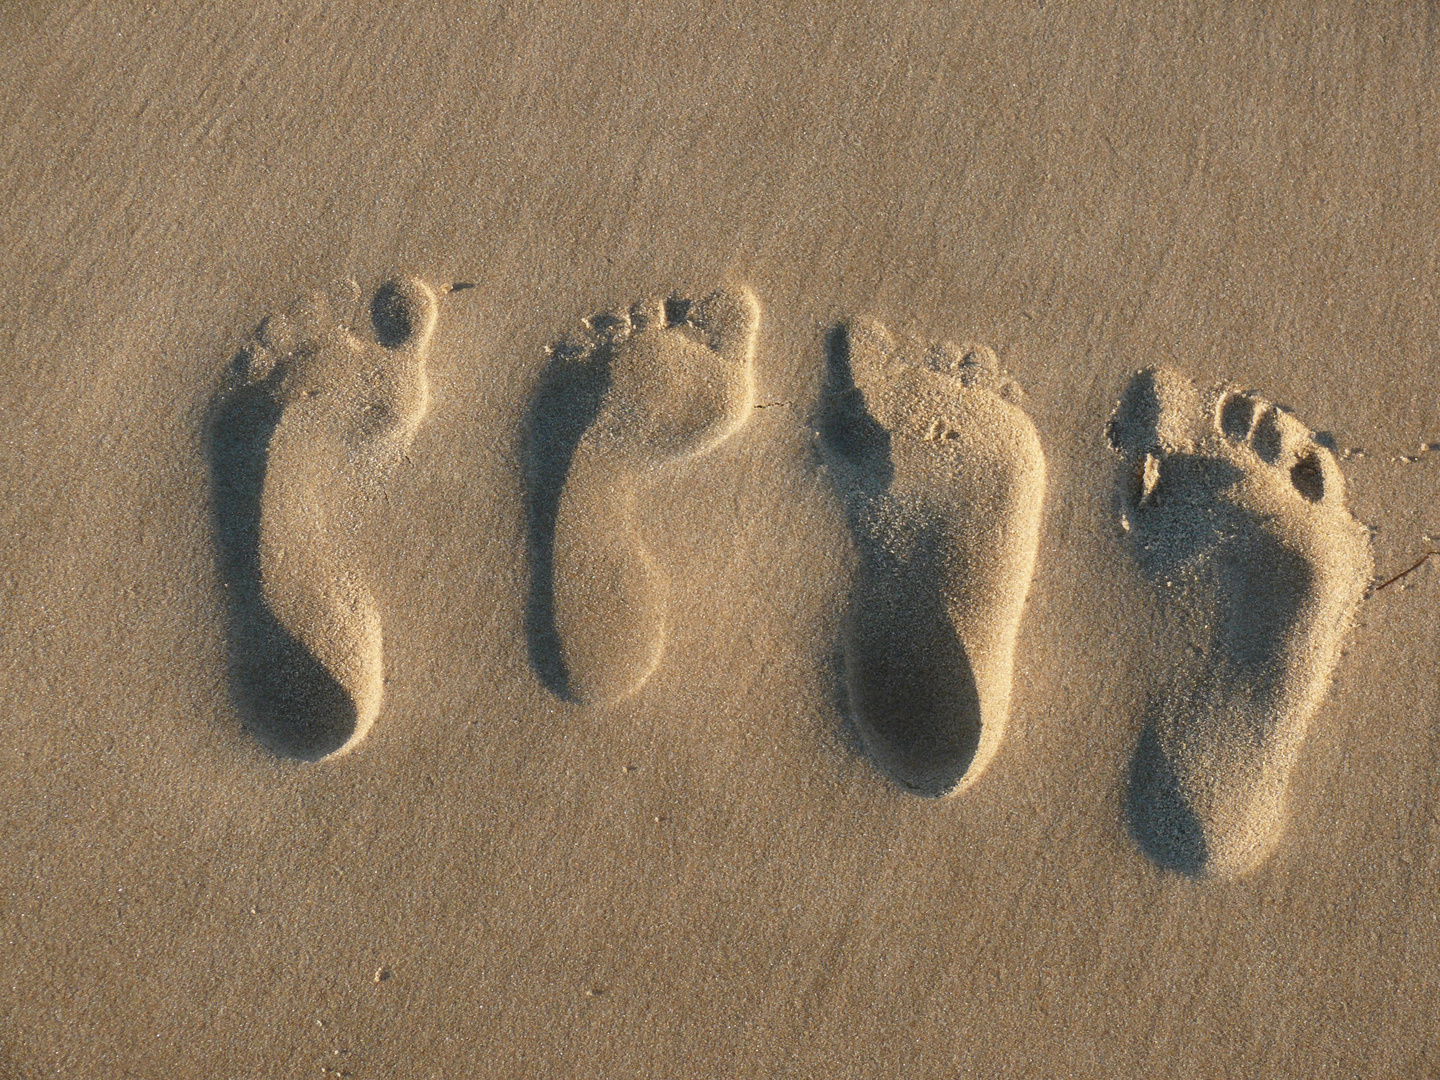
716,873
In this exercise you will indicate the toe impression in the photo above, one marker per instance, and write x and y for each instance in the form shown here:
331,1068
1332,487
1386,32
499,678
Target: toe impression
729,319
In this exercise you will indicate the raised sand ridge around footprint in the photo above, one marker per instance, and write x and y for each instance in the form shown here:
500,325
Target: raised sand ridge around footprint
636,393
942,479
1237,514
312,416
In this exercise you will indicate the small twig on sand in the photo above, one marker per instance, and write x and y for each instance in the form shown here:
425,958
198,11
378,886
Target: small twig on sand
1403,573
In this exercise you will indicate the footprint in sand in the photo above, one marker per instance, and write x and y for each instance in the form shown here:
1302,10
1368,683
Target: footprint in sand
309,421
640,391
1237,513
942,479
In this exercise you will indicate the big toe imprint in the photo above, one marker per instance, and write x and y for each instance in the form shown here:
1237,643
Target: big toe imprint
943,480
637,392
311,417
1237,513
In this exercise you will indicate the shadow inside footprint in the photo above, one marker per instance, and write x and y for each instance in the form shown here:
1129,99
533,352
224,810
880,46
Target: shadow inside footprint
286,697
846,427
908,685
565,404
1162,823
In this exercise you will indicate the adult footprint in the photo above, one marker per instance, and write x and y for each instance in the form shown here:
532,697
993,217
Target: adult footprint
942,479
311,417
639,391
1237,514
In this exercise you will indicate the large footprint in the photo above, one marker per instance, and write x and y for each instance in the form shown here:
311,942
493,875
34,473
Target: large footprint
312,416
942,479
641,390
1237,514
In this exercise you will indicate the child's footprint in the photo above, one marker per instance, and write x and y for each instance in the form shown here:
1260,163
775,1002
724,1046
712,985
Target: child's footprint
942,479
310,419
1237,513
665,381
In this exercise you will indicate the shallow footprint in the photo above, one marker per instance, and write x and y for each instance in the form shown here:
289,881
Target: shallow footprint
942,479
639,391
311,417
1237,514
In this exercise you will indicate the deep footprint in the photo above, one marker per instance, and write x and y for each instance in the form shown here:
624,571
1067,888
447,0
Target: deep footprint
942,480
640,390
311,417
1237,514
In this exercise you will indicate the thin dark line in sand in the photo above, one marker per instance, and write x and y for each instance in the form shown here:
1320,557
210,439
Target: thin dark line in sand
1403,573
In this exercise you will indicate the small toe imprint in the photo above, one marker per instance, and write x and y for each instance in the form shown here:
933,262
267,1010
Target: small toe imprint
1308,476
1235,416
1267,438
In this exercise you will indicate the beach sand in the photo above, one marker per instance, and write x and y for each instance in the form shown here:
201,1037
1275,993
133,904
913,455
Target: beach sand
709,868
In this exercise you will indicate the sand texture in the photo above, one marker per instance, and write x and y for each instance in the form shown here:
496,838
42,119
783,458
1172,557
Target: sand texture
628,540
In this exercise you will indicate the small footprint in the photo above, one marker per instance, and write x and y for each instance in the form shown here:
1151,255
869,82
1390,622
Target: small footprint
310,419
1237,513
640,390
942,479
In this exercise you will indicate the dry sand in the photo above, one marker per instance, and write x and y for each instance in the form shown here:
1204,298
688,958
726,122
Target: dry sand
711,876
